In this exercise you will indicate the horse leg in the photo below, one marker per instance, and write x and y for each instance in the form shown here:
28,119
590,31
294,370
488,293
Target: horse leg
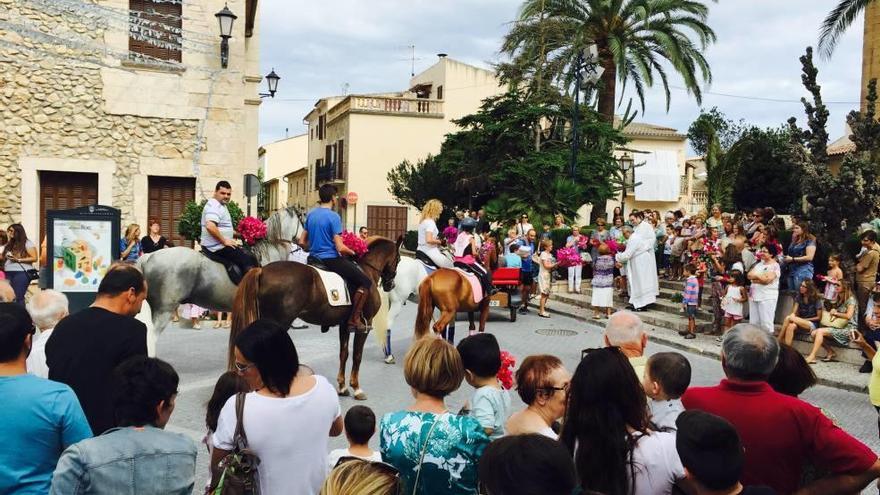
359,339
161,319
343,359
446,316
484,315
471,326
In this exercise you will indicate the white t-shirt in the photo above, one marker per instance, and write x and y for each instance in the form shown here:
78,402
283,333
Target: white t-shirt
36,361
426,226
523,228
290,436
218,213
335,455
657,465
766,292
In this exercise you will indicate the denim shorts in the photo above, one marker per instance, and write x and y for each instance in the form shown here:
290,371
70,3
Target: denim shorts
690,311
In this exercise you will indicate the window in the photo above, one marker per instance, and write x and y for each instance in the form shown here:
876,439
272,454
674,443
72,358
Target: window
322,126
340,146
439,92
155,29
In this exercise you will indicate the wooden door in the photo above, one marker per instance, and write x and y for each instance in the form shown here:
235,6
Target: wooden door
387,221
62,191
167,198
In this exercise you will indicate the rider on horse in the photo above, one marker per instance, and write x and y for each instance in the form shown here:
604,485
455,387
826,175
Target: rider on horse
323,234
217,230
465,248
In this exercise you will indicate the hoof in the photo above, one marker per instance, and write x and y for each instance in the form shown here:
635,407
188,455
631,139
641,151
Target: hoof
389,359
359,395
325,329
343,392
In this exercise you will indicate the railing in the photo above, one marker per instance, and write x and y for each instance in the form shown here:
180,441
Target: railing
388,104
328,173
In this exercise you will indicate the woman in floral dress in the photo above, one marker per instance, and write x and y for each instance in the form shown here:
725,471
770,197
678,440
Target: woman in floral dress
435,451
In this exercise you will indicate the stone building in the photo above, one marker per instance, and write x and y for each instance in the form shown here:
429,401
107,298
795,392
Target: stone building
123,103
285,169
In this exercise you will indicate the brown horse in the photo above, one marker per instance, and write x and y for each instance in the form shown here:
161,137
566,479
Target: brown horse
284,290
449,291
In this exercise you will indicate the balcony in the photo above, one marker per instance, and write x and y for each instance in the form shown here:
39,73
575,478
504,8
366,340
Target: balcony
329,173
387,105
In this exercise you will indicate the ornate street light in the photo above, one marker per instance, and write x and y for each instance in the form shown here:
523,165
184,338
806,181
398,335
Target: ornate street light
226,19
272,80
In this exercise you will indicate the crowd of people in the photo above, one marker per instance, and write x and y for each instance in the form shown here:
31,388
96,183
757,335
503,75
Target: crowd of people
622,423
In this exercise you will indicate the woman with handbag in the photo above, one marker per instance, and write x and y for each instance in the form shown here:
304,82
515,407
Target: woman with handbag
20,254
281,429
436,452
839,323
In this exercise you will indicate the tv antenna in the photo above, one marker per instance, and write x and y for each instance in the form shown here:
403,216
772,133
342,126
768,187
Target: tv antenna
345,86
411,59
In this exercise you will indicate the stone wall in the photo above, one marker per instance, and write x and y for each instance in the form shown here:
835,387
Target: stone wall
51,105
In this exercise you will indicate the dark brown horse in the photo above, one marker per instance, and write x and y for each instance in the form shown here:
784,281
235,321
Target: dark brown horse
449,291
284,290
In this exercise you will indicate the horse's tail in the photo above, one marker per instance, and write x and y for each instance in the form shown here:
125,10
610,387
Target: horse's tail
426,308
245,308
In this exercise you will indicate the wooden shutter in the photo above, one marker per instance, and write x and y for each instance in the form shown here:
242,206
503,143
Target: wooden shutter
167,198
340,165
65,190
168,18
387,221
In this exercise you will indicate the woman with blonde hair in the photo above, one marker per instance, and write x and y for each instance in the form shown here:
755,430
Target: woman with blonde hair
354,476
429,235
435,451
130,245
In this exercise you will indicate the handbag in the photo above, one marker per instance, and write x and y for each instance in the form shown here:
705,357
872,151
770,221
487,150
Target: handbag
829,321
239,467
422,456
32,273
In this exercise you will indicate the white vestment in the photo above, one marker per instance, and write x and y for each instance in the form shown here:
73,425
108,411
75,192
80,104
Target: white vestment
641,266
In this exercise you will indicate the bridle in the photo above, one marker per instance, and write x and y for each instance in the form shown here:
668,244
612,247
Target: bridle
386,273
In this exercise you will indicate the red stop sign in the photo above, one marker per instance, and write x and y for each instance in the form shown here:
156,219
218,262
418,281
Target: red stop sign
352,198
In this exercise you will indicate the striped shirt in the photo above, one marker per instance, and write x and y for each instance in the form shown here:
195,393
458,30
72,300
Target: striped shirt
691,291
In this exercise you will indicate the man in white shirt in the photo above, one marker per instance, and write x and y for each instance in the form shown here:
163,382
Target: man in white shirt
218,232
47,308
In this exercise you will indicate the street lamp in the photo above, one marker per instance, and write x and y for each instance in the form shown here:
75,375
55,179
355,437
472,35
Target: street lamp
226,19
272,80
626,164
587,72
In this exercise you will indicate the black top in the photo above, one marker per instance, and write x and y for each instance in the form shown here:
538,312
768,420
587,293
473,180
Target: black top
83,351
148,246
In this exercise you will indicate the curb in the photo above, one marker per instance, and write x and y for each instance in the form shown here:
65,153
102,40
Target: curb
658,335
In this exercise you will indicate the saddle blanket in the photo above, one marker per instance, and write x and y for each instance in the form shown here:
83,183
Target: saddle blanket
476,286
334,285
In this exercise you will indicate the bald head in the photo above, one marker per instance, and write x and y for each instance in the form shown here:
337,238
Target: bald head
749,353
625,329
47,308
6,292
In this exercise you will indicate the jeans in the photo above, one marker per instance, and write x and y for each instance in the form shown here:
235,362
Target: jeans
797,273
19,282
350,272
574,277
240,257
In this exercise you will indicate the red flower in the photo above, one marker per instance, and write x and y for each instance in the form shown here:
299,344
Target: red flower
505,375
251,230
355,243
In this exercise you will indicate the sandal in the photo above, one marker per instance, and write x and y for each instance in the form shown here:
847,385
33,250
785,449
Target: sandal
690,336
830,358
544,315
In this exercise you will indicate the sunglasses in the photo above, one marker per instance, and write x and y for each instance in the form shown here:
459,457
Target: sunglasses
241,368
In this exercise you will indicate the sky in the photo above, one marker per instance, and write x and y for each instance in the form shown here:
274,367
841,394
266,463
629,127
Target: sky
331,47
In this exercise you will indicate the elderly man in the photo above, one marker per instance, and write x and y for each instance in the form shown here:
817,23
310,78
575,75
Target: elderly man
625,330
47,308
780,434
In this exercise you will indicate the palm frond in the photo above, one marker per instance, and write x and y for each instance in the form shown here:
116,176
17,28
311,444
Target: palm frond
837,22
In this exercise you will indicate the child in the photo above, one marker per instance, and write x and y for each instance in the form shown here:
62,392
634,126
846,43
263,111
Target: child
360,425
490,404
667,376
733,301
547,264
678,247
667,252
696,256
450,233
833,278
603,280
689,300
227,386
511,259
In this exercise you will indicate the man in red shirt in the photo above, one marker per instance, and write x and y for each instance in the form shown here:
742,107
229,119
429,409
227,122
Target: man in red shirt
780,434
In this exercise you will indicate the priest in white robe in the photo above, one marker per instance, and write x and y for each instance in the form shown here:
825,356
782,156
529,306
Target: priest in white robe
641,265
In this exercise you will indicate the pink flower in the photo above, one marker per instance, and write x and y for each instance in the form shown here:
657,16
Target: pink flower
251,230
505,375
568,257
355,243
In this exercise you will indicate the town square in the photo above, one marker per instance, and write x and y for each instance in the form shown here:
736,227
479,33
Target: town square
489,247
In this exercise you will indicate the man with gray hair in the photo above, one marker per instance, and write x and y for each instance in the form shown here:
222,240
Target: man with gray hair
6,292
47,308
780,433
625,331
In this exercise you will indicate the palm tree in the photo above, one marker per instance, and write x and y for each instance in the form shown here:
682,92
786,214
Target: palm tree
837,22
633,38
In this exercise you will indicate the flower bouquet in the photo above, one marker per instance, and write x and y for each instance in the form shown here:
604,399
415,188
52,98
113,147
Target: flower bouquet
613,246
568,256
355,243
251,230
505,375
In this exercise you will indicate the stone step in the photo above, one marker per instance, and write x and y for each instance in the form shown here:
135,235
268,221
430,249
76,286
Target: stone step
663,304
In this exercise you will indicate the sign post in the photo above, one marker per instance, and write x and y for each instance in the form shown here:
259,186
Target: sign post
252,188
352,198
82,243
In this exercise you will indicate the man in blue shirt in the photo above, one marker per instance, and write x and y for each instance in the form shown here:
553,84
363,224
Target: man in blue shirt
39,418
217,230
323,235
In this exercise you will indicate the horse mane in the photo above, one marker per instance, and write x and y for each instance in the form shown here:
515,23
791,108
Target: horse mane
275,226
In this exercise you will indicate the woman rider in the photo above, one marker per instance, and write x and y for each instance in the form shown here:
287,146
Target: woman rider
429,235
464,249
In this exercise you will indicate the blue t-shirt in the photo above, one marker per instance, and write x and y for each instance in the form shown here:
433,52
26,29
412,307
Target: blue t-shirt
135,252
39,419
323,224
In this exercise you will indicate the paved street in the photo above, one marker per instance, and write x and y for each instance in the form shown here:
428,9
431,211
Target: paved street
199,357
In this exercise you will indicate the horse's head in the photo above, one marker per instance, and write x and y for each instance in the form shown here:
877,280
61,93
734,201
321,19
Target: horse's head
284,225
384,255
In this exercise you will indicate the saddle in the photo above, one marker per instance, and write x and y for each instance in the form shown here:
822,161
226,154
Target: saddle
424,259
334,285
232,270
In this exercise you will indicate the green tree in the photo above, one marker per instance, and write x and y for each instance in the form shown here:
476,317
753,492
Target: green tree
415,184
837,22
768,174
713,121
190,223
634,38
714,136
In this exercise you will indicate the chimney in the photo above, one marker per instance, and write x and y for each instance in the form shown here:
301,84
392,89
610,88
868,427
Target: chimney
441,55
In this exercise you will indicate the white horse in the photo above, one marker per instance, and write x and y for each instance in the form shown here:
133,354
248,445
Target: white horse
181,275
410,273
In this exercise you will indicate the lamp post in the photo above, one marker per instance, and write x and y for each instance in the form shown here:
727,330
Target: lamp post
626,164
587,72
272,80
226,18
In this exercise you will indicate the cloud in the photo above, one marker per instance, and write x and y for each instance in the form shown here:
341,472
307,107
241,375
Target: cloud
316,47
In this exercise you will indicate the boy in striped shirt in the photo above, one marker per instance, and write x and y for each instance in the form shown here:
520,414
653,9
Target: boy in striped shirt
690,299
